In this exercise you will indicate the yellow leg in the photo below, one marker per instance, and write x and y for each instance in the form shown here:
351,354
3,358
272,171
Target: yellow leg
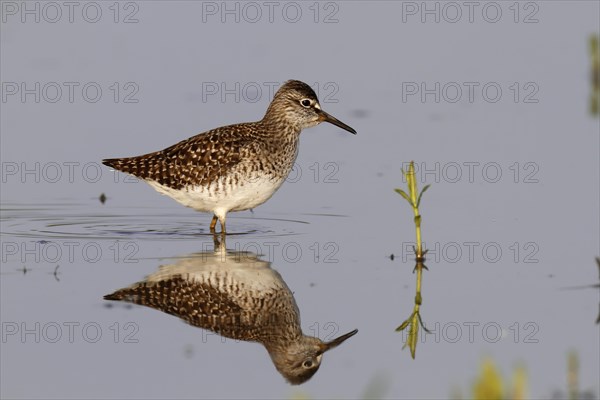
213,223
216,241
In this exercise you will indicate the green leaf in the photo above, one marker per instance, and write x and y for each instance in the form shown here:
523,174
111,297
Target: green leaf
423,325
412,182
421,194
413,335
403,326
403,194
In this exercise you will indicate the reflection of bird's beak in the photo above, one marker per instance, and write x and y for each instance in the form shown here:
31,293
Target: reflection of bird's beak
324,117
337,341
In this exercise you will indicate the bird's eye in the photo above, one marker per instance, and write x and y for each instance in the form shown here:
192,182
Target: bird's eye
305,102
307,364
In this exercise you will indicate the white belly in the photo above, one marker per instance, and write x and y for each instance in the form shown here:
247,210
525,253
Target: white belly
220,198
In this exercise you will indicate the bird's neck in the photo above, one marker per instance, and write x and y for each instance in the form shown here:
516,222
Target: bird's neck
279,130
276,119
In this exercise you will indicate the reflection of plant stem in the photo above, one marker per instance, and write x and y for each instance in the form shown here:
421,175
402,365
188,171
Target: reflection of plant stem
598,262
594,43
414,199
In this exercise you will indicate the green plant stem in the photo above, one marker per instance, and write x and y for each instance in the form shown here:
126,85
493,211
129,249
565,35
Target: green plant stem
414,321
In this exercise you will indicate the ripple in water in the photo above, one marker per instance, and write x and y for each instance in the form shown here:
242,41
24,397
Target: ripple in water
70,221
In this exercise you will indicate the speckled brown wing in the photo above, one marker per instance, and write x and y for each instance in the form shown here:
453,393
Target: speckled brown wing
201,305
199,160
197,304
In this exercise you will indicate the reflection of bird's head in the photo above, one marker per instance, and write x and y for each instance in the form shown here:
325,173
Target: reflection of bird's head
299,361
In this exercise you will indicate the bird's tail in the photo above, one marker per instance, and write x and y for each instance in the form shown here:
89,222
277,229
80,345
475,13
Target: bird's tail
126,294
174,296
140,293
143,167
120,164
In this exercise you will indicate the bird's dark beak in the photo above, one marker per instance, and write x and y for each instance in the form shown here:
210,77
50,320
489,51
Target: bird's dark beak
337,341
324,117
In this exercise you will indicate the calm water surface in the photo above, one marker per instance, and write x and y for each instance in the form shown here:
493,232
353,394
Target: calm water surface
511,219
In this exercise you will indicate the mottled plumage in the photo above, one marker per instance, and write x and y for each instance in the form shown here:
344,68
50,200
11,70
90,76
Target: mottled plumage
235,167
238,296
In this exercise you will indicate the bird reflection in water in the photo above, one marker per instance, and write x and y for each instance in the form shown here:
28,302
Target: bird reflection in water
238,296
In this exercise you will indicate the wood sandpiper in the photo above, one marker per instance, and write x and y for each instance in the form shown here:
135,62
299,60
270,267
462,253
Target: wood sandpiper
235,167
239,296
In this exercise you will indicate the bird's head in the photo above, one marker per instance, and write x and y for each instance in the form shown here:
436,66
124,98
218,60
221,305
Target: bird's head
297,104
299,361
